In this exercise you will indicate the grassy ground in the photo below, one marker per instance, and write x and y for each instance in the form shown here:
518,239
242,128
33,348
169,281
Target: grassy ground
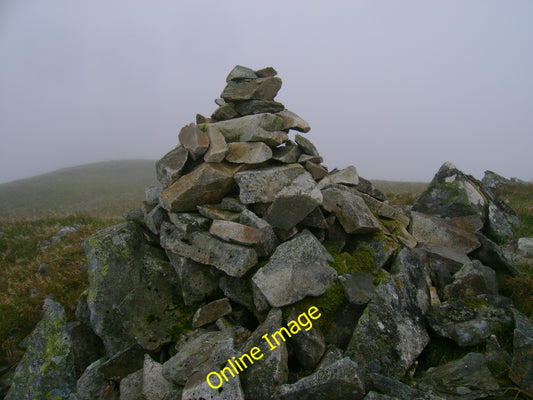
23,289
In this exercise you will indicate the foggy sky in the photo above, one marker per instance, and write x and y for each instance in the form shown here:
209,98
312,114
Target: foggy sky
395,88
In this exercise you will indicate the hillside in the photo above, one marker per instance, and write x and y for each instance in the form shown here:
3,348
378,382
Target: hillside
104,189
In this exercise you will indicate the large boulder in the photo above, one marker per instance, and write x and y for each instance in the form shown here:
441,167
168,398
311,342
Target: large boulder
298,268
124,271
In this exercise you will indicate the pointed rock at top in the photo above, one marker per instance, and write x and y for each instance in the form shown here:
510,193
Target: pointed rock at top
266,72
240,72
194,140
253,89
306,145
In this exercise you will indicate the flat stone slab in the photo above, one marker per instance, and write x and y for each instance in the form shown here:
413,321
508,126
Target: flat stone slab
293,121
211,312
298,268
248,153
208,183
236,233
218,148
251,89
233,129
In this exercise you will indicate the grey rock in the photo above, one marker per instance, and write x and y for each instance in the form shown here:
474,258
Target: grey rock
522,365
266,72
498,228
367,187
317,171
236,233
47,369
471,322
350,209
66,230
451,193
293,121
378,396
434,230
123,269
151,195
383,249
270,240
238,290
306,157
298,268
274,138
294,202
315,219
494,181
384,210
189,222
43,269
260,301
286,234
347,176
234,260
263,185
261,379
258,107
491,254
91,383
519,252
472,279
124,363
218,148
131,386
197,354
225,112
232,204
200,119
464,379
240,72
309,345
336,237
251,89
331,355
83,314
211,312
233,129
306,145
155,218
208,183
390,334
358,287
215,212
395,389
248,153
197,282
170,167
288,154
198,388
194,140
468,223
497,358
339,380
154,386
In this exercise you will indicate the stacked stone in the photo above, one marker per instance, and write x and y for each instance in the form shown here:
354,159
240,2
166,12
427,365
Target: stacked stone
238,240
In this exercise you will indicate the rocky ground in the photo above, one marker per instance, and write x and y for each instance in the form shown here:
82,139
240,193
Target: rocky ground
246,235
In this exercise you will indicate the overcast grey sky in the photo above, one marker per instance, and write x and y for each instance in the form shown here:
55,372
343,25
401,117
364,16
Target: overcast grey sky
393,87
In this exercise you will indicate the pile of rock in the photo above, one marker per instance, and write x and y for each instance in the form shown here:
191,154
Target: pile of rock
247,232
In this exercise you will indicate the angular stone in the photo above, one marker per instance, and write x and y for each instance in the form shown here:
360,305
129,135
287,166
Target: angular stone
225,112
294,202
251,89
350,209
240,72
298,268
391,333
336,237
210,347
286,154
208,183
236,233
497,358
194,140
434,230
464,379
489,253
198,388
395,389
151,195
347,176
131,386
522,365
293,121
237,290
331,355
155,386
383,249
211,312
471,322
384,210
215,212
266,72
469,223
498,228
270,240
234,260
123,270
306,157
367,187
358,287
124,363
337,381
263,185
472,279
91,383
258,107
317,171
494,181
248,153
261,379
274,138
306,145
189,222
218,148
170,167
309,345
233,129
315,219
155,218
451,193
232,204
49,366
197,282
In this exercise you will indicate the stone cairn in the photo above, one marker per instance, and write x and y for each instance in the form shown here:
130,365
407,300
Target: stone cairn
253,272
